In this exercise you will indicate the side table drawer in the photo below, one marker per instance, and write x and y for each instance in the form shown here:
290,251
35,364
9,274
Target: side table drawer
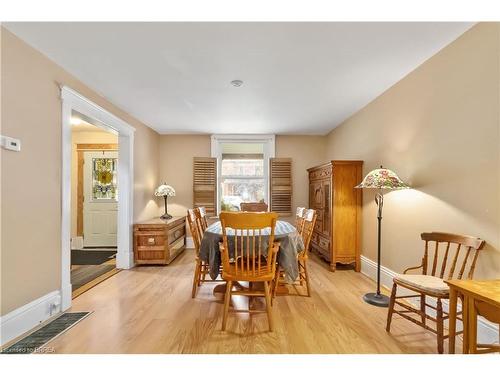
176,232
175,249
150,239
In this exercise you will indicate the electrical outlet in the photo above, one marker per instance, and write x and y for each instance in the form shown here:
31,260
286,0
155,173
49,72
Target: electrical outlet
11,144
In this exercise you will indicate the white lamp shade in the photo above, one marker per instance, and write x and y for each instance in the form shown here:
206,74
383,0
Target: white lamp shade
165,190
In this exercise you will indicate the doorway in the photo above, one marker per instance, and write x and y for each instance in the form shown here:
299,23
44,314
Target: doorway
94,208
121,170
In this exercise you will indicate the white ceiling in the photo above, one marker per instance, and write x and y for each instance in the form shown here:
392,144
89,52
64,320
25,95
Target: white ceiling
299,78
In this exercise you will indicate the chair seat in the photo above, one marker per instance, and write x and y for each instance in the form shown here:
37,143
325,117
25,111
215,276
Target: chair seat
245,274
425,283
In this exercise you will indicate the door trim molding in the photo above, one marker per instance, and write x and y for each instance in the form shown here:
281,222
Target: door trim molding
73,101
80,149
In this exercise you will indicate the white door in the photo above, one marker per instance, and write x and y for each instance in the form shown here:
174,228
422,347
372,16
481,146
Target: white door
100,196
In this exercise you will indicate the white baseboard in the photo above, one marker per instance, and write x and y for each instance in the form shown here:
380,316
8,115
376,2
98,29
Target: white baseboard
27,317
487,332
77,243
189,243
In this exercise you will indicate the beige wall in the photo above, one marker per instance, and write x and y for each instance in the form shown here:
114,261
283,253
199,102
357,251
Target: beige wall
438,128
176,167
306,152
176,164
31,179
82,137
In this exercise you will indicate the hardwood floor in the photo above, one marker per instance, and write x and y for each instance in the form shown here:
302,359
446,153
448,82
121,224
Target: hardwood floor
150,310
99,279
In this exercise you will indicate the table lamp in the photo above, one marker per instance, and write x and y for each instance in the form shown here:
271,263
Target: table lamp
380,178
165,191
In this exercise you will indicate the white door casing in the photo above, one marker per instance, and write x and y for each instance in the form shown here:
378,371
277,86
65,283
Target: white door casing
99,215
73,101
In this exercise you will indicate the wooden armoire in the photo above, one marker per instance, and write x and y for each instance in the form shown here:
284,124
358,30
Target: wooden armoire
337,233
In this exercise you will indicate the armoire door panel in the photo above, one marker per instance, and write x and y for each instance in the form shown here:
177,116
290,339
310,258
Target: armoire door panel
317,195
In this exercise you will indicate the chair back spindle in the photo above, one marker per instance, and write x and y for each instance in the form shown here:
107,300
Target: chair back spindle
445,260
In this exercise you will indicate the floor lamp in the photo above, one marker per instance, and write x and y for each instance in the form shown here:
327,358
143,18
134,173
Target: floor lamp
380,179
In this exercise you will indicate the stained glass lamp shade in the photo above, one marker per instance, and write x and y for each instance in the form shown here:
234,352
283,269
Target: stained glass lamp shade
380,178
165,191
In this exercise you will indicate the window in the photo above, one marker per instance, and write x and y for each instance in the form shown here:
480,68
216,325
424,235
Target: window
242,180
104,179
242,169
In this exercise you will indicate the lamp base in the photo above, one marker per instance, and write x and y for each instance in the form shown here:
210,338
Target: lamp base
166,216
375,299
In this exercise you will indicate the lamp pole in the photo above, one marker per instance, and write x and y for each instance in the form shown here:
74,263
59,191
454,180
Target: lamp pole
378,299
166,216
379,199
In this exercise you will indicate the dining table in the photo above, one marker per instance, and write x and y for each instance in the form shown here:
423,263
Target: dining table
290,242
478,296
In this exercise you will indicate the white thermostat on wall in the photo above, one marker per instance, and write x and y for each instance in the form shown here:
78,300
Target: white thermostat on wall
10,143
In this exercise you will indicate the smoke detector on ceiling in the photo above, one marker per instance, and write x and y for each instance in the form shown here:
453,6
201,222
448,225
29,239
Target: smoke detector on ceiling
237,82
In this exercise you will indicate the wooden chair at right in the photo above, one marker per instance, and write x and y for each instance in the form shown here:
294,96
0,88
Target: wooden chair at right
307,231
201,215
299,219
196,233
305,228
430,282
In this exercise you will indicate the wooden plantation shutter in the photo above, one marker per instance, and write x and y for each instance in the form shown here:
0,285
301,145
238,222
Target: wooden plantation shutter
205,184
280,172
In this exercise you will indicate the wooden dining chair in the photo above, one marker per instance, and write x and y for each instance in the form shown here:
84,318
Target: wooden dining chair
454,259
299,219
253,207
196,233
309,221
307,227
201,215
202,268
250,257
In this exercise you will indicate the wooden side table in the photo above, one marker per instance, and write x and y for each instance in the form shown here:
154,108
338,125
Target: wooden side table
478,298
159,241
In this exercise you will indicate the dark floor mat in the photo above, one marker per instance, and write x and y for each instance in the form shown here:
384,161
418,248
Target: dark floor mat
84,257
34,341
85,274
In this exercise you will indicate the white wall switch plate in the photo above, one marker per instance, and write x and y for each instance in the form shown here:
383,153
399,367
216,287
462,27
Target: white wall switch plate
9,143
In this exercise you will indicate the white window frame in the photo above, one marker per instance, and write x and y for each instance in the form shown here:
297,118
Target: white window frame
218,140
